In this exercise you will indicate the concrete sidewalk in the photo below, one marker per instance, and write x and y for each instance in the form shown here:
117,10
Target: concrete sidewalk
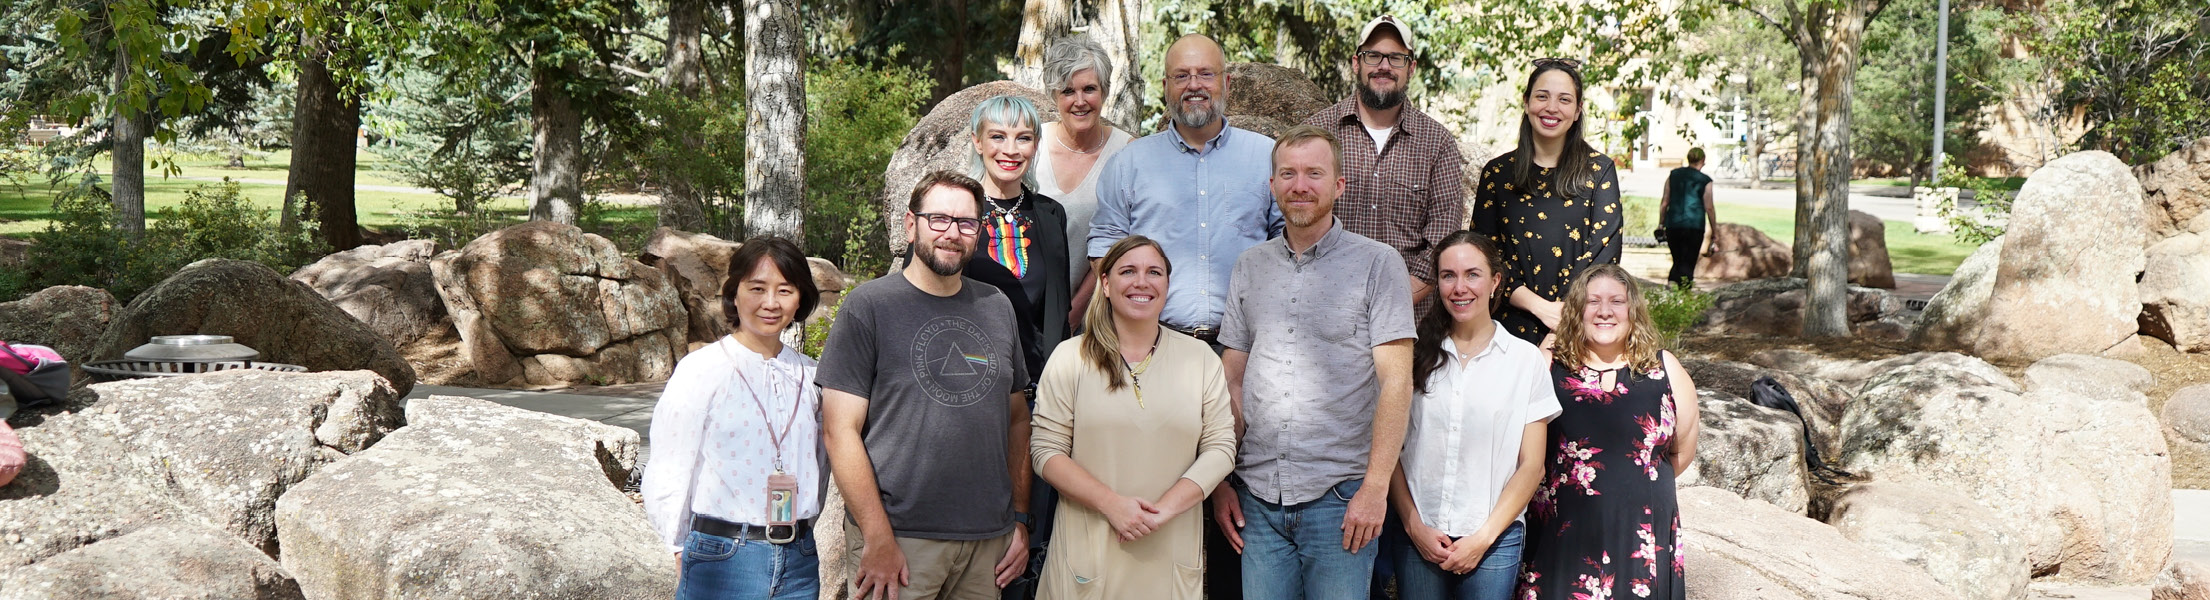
634,413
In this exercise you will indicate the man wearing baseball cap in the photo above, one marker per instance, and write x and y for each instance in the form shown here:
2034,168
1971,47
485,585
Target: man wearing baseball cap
1406,178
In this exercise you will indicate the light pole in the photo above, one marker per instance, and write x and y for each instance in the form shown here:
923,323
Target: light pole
1941,84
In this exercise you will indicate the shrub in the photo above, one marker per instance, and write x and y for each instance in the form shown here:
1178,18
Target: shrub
855,119
1975,226
1673,309
83,247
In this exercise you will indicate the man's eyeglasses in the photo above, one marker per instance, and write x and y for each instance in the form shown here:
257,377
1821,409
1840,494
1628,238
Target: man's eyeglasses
1568,63
1184,78
944,222
1397,60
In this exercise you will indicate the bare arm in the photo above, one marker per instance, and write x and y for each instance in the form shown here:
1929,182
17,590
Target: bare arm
1711,217
1686,412
1234,361
1546,310
1368,507
1016,452
882,565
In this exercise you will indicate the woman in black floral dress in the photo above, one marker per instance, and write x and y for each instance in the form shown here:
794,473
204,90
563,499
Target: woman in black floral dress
1552,204
1605,523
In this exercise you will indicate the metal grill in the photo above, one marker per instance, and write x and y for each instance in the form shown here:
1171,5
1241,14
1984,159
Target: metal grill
114,370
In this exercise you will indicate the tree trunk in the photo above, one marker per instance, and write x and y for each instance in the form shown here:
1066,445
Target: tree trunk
324,127
950,70
775,125
1042,22
556,148
680,203
1114,27
129,170
1823,163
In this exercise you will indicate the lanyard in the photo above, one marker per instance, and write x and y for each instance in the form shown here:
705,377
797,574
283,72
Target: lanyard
797,399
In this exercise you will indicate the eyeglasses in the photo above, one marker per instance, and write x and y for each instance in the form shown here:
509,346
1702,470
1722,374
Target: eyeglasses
944,222
1397,60
1573,64
1183,78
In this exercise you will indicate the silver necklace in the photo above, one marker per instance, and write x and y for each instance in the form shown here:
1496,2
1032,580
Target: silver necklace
1063,142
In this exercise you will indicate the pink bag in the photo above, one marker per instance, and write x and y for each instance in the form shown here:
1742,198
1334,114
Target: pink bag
14,361
11,454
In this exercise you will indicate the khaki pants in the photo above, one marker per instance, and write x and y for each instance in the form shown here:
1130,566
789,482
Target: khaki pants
936,569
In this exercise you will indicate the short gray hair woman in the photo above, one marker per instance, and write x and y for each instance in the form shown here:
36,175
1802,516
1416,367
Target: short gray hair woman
1078,77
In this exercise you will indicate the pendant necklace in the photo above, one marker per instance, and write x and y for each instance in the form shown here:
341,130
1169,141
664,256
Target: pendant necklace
1135,371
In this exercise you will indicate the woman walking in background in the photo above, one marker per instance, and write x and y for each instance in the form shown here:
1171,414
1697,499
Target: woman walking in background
1605,523
1474,451
736,473
1078,77
1552,205
1685,212
1133,428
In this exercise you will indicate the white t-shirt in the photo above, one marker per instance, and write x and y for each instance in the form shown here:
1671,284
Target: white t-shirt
1462,443
1381,137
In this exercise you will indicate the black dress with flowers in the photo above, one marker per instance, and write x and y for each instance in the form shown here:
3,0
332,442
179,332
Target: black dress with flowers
1547,236
1605,522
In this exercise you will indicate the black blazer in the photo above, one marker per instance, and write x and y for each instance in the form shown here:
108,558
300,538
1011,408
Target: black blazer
1042,327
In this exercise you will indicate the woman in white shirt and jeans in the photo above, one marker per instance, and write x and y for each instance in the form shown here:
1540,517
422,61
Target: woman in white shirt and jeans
736,474
1473,451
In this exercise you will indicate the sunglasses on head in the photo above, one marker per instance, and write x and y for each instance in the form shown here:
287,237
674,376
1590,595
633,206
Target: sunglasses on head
1565,63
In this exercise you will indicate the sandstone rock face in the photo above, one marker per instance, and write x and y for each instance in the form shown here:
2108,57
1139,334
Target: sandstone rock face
218,448
2187,413
940,141
2090,376
388,287
68,318
2066,280
1775,307
2082,481
1739,549
2175,292
284,319
1740,252
170,561
476,500
546,305
1280,93
1951,319
1822,400
697,264
1868,252
1749,450
1853,374
2184,580
2176,190
1938,530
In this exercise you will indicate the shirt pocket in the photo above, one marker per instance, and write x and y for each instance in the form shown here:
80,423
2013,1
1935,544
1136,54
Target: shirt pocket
1337,320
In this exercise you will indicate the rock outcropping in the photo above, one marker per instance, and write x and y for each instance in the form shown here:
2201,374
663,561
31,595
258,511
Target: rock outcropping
543,304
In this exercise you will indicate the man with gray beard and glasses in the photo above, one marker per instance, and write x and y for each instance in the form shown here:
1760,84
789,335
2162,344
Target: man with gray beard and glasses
1198,187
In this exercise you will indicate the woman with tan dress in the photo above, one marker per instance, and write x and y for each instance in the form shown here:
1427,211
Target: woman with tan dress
1132,426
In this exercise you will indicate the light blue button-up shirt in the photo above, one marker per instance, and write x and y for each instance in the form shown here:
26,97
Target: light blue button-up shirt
1204,206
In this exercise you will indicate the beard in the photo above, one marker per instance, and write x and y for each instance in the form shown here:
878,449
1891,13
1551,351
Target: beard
1379,101
1198,118
1305,217
927,256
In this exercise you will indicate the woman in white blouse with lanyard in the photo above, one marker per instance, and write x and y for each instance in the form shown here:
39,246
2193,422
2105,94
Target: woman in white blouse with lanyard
736,474
1473,452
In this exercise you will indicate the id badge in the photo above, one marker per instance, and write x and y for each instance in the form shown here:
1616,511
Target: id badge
782,508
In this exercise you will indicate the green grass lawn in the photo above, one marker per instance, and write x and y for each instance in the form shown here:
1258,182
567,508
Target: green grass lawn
369,169
1908,250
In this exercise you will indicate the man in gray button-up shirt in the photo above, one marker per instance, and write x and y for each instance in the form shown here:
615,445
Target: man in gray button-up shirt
1198,187
1318,329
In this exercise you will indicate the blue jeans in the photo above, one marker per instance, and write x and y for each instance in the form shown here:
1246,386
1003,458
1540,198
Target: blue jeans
1296,551
1493,579
718,567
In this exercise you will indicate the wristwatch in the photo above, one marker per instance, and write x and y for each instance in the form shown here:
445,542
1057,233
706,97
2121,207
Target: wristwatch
1023,519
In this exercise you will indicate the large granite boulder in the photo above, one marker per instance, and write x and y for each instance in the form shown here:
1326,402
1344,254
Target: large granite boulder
1940,531
2066,281
1744,550
1775,307
544,304
1750,450
1868,252
1741,252
172,561
2187,415
1822,400
284,319
2090,376
940,141
388,287
698,264
1273,92
2175,292
2083,482
68,318
1951,319
2176,190
218,448
477,500
1853,374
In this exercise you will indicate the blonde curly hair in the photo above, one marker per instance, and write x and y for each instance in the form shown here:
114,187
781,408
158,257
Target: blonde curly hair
1644,344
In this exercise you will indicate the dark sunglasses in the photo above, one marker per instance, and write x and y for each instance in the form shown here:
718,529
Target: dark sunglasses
944,222
1565,63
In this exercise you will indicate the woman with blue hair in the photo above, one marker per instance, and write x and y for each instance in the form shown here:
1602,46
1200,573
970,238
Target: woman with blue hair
1023,253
